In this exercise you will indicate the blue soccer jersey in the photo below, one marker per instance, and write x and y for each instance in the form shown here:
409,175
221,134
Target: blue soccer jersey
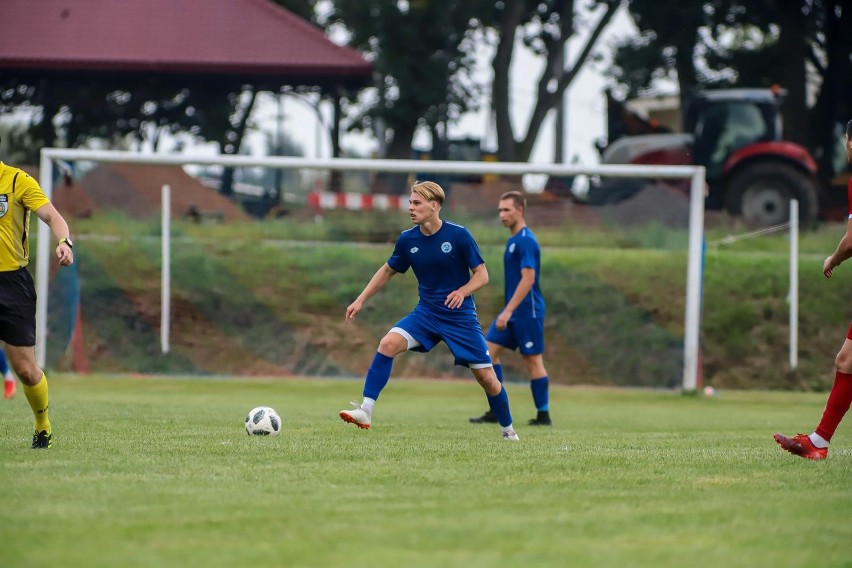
523,251
441,262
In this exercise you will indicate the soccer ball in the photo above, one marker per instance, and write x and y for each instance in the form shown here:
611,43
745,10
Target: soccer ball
263,421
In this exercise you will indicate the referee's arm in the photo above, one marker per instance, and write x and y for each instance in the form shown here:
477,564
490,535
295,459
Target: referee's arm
60,230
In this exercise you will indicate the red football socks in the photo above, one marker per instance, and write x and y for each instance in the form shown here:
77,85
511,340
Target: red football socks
838,403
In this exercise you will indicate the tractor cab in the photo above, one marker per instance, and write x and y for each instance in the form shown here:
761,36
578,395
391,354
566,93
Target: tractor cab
725,121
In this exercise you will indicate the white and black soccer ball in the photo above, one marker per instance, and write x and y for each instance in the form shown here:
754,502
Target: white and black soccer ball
263,421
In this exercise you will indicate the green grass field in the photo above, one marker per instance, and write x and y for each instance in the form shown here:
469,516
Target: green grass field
159,472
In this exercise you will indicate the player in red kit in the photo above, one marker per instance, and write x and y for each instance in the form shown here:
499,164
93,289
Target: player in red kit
815,445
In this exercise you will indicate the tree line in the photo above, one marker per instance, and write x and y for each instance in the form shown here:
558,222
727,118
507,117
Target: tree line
424,52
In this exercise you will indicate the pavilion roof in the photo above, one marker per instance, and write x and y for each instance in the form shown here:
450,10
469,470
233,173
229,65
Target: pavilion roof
249,39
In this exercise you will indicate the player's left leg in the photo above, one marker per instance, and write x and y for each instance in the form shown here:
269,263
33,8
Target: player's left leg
815,445
496,340
34,380
489,417
540,387
467,343
529,333
498,399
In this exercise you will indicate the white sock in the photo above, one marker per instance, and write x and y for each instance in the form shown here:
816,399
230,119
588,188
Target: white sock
507,428
818,441
368,405
9,377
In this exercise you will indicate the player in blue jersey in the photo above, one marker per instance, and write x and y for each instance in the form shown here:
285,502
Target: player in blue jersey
449,268
521,323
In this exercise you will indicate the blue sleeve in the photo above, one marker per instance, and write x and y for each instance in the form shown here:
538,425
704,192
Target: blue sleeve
470,251
527,251
399,258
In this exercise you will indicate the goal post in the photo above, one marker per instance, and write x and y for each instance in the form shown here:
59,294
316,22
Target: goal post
696,175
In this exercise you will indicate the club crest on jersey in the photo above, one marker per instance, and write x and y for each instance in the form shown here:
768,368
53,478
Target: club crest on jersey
446,247
4,204
511,248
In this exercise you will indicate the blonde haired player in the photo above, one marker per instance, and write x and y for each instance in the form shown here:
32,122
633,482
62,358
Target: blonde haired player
19,196
449,268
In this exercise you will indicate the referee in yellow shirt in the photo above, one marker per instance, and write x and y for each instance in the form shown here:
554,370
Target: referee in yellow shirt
19,195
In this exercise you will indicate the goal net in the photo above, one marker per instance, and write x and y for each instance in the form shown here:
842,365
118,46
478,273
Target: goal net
178,272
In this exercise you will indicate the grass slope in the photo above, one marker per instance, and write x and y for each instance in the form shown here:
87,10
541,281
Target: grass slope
248,299
157,472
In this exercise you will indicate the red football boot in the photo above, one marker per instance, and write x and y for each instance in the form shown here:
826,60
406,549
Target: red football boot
801,445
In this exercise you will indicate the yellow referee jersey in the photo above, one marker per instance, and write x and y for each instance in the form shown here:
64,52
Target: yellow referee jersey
15,207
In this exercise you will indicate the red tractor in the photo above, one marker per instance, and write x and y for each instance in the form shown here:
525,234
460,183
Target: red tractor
735,134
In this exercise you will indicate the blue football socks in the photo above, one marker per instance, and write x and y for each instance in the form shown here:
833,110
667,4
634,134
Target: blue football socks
377,375
540,393
500,407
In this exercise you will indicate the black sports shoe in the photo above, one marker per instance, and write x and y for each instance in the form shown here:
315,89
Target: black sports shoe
41,440
541,419
487,418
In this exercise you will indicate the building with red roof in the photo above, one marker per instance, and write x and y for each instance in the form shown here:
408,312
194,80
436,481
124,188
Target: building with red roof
247,40
206,45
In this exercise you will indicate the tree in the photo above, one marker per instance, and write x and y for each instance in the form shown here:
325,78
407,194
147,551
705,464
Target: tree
828,52
722,43
70,111
546,27
422,52
673,45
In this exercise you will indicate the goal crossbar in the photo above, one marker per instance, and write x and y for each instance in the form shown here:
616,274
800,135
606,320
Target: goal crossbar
696,175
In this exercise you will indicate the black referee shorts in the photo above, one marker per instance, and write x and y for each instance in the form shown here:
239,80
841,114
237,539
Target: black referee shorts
17,308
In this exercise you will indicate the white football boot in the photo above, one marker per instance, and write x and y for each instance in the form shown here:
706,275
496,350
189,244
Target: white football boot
510,435
357,416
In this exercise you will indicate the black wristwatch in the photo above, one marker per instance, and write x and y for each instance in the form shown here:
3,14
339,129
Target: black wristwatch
67,241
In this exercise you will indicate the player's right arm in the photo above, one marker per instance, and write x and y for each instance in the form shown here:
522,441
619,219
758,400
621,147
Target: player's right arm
524,286
843,252
376,283
844,247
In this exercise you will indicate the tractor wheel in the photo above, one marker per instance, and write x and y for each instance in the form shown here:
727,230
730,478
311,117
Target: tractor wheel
761,194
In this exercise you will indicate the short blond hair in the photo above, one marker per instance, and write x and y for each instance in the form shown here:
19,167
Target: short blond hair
429,190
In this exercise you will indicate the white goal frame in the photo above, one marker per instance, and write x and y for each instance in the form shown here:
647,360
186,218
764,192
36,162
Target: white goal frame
696,175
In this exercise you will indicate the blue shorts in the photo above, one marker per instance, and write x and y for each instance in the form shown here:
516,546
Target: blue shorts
526,334
424,328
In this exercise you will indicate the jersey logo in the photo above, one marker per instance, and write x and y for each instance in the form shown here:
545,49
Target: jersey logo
446,247
511,248
413,250
4,204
